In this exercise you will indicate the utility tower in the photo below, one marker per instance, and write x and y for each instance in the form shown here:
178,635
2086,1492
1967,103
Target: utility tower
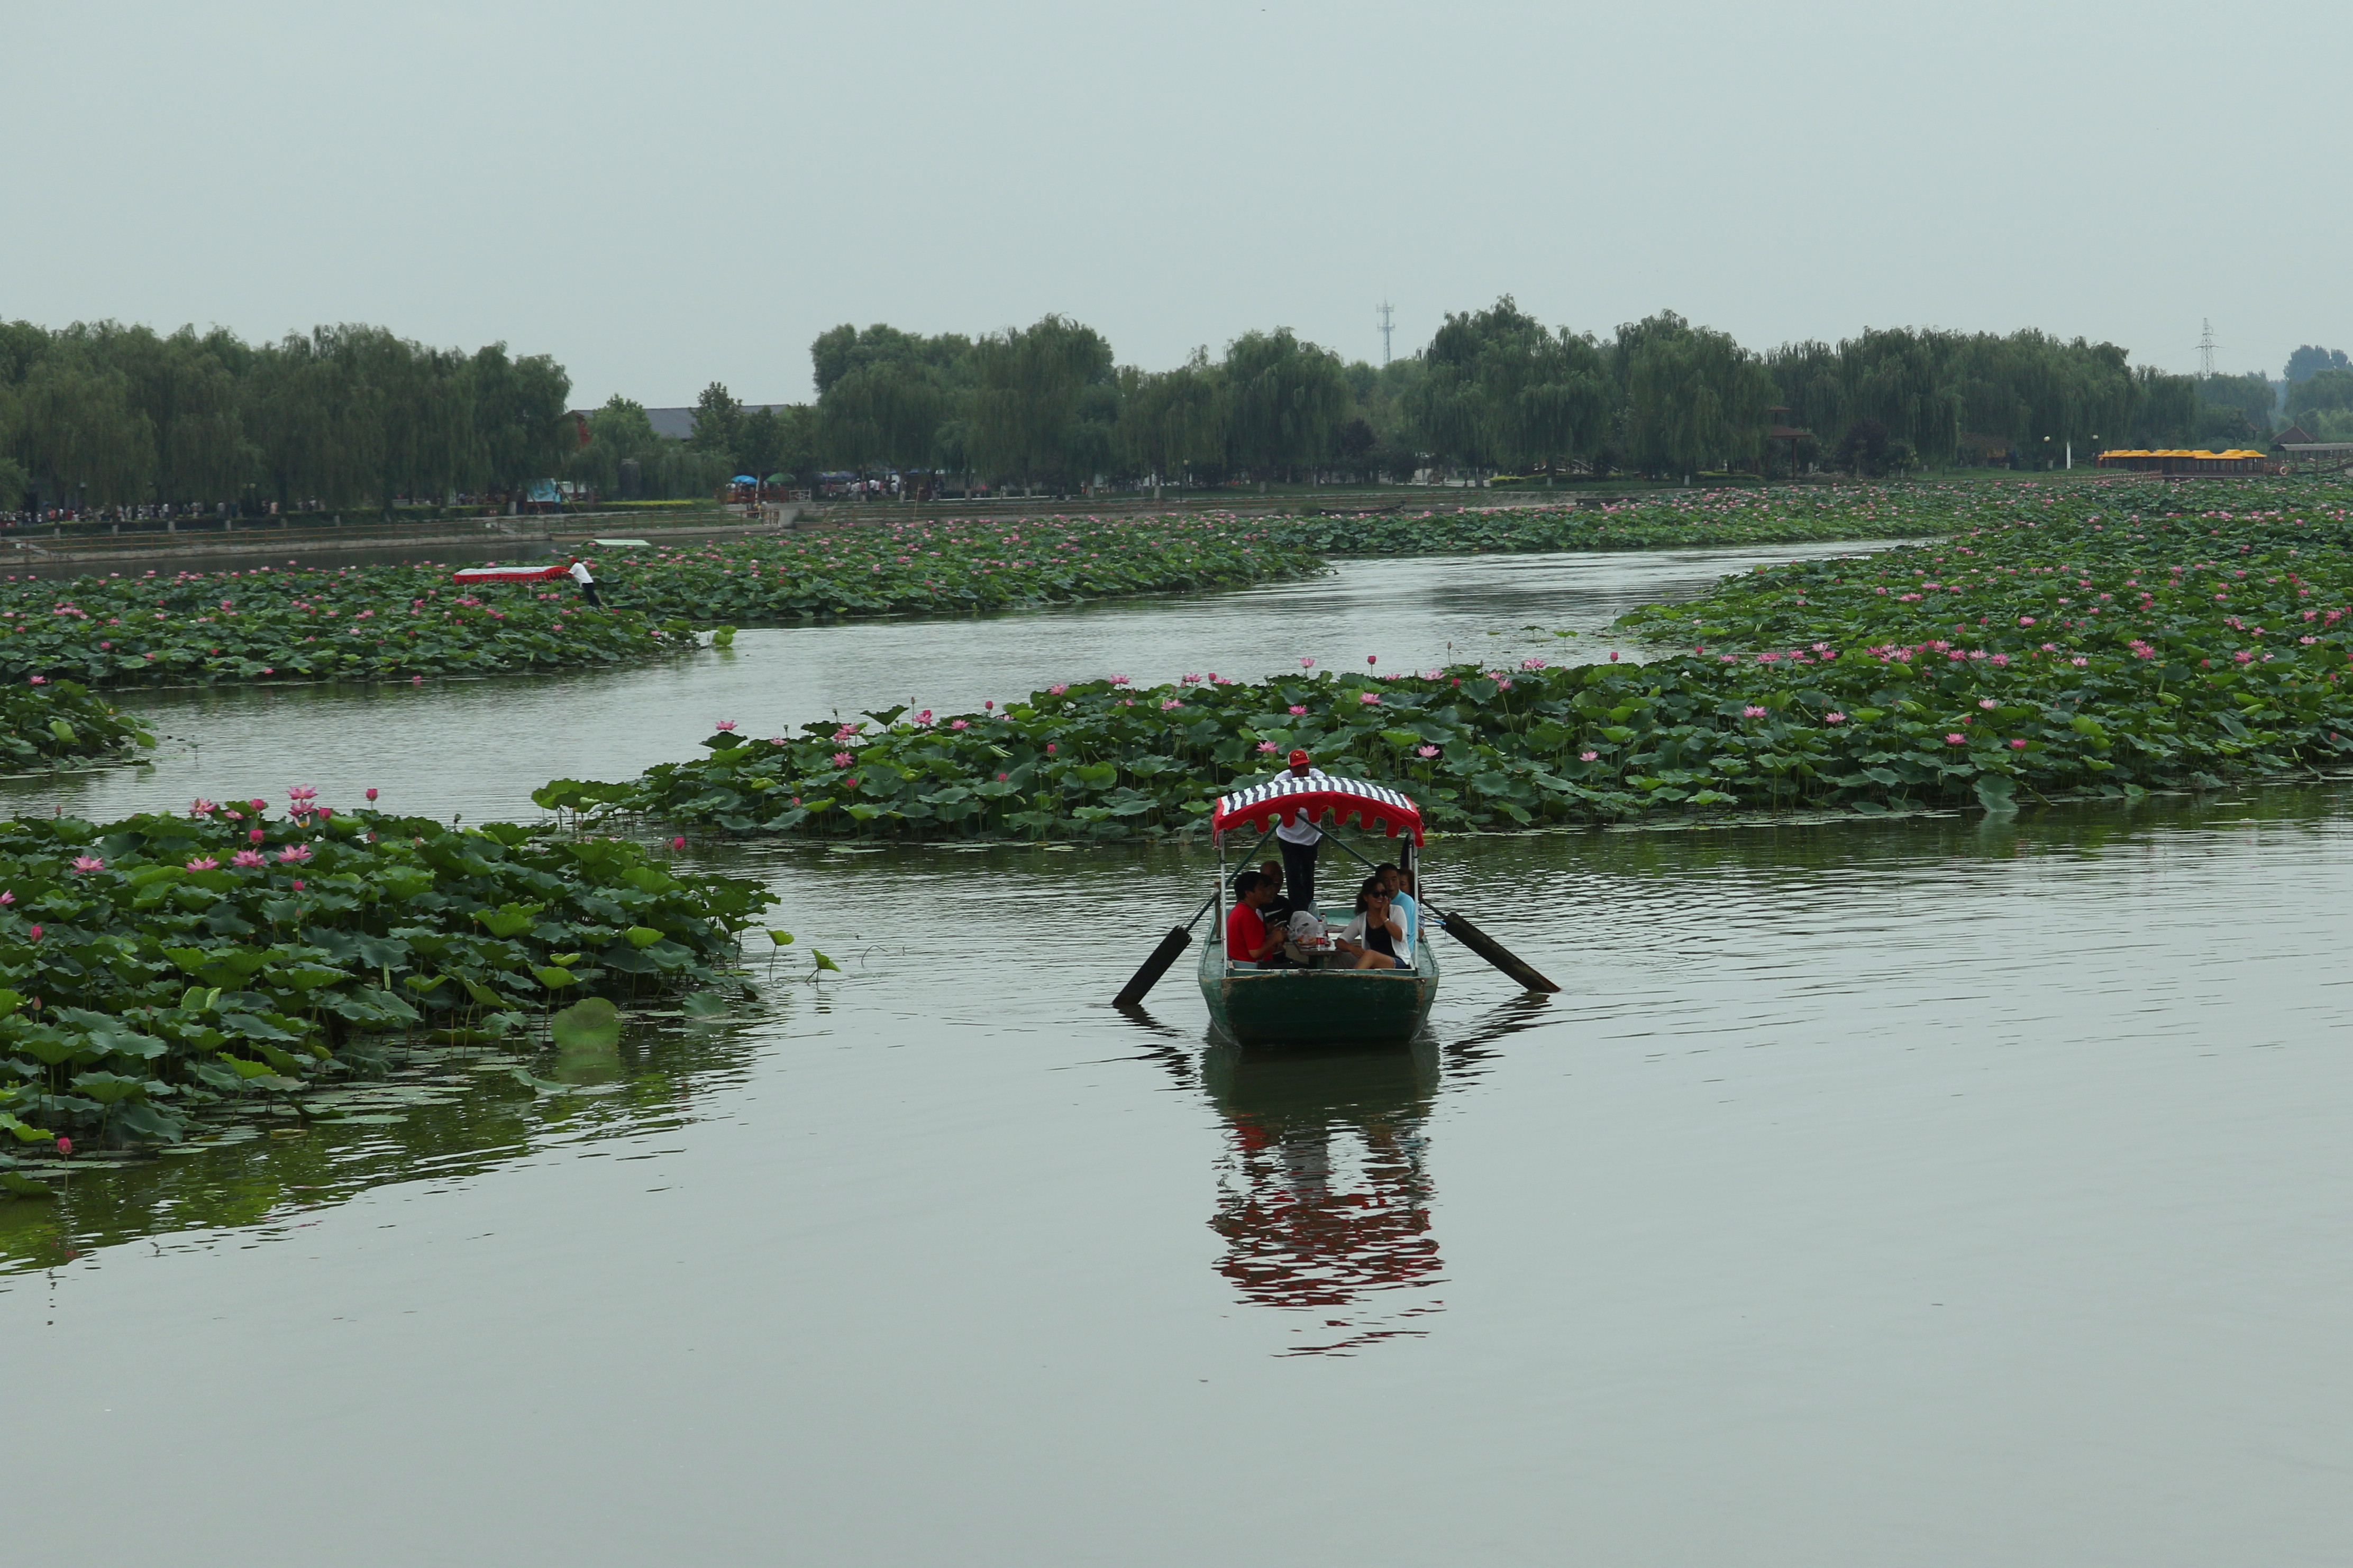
1386,311
2206,351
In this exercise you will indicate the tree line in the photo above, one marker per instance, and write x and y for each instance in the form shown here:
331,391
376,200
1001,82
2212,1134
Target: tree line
108,415
1494,391
105,414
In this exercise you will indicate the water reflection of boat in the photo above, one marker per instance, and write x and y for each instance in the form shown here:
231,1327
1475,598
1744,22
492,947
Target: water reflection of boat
1325,1188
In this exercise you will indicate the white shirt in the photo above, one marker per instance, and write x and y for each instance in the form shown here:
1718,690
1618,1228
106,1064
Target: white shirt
1300,830
1354,932
580,573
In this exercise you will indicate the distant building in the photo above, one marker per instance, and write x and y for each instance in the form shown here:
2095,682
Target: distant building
678,423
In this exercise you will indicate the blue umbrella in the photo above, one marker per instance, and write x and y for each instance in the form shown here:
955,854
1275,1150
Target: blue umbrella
746,479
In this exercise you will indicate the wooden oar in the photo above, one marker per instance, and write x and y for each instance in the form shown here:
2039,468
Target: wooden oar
1162,957
1460,927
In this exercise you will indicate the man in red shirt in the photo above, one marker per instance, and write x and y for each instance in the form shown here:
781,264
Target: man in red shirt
1247,939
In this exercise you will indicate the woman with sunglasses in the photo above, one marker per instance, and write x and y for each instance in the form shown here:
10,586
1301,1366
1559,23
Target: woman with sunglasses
1376,936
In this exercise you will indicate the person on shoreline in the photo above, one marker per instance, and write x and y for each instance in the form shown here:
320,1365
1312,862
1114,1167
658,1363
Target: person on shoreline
578,570
1374,935
1300,838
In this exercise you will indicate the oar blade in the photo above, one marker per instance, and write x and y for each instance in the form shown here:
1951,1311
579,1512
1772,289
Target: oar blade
1156,966
1461,929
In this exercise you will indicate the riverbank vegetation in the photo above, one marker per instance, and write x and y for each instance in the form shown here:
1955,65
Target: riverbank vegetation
2091,640
366,623
162,972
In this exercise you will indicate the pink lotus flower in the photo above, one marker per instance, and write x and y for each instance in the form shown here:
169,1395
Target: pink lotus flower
2026,620
724,725
1050,748
1833,717
2079,663
843,759
925,717
245,860
89,863
1986,702
1304,664
1955,739
1613,658
1372,659
1752,711
1368,697
1532,664
8,897
200,807
300,791
40,680
960,724
1168,702
259,806
679,843
253,834
65,1146
1000,779
1056,690
1501,684
2017,745
1587,756
294,853
371,793
1119,680
1267,746
204,863
298,884
1297,709
35,933
1425,751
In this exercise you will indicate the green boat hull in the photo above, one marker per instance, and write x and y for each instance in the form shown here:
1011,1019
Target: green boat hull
1318,1007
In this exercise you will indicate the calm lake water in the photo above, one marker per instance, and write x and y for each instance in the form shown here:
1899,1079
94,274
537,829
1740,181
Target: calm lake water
1948,1190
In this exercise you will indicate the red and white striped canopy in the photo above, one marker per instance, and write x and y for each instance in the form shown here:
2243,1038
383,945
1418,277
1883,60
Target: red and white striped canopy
1375,805
474,577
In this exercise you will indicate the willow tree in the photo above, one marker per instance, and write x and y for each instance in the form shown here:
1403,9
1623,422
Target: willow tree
1694,398
1286,402
1027,413
1174,422
1498,388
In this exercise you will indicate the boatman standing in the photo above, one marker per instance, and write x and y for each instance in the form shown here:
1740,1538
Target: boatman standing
587,583
1299,837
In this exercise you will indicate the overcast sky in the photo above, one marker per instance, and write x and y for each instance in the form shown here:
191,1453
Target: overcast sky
660,195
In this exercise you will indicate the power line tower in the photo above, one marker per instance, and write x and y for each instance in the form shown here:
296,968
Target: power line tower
2206,351
1386,311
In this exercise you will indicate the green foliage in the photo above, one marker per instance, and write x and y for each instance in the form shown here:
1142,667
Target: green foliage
60,721
327,927
107,414
2049,645
950,567
355,622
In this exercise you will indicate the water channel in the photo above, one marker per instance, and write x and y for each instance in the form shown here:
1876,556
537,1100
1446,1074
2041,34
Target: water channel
1947,1190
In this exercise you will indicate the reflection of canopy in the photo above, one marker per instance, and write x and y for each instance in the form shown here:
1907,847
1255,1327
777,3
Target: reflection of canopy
1262,804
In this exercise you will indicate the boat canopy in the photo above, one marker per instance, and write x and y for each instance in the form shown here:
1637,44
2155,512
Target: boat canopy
1373,805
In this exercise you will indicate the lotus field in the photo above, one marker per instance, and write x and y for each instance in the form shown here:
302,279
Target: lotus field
372,622
2085,640
164,972
45,722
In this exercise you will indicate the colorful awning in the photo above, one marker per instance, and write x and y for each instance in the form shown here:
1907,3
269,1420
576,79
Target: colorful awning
1373,805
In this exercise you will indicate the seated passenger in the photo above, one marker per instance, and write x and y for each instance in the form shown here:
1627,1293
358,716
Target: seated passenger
1399,883
1247,939
1278,907
1373,937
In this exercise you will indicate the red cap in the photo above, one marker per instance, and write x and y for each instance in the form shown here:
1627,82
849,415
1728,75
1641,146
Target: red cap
1298,758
